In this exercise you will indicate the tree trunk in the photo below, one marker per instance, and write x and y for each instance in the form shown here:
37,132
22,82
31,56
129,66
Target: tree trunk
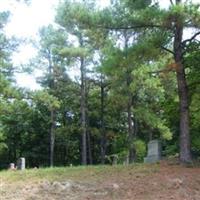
52,111
103,133
90,159
150,134
129,105
83,115
52,137
185,152
130,132
135,128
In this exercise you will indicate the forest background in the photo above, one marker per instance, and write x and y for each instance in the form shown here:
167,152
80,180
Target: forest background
138,80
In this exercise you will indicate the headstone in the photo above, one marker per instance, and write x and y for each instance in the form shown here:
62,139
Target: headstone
21,164
154,152
115,159
126,160
12,166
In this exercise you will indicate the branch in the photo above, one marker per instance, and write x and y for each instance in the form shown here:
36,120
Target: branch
98,83
192,38
132,27
172,3
167,70
188,40
168,50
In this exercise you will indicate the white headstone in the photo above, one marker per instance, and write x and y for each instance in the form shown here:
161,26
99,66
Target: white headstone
21,165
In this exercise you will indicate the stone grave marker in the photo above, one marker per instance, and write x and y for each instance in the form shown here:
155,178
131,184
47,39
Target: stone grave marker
21,164
154,152
114,159
12,166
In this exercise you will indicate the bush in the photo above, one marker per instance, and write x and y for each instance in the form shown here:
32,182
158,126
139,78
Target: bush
140,148
171,150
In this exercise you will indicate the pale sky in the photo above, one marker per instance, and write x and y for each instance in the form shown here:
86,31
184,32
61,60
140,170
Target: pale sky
26,21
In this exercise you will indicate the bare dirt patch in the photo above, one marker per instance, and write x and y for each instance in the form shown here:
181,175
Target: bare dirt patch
143,182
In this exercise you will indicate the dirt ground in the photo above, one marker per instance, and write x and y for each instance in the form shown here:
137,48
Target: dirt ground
151,182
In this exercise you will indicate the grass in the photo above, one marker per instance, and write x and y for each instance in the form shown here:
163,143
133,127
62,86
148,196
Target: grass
138,181
74,173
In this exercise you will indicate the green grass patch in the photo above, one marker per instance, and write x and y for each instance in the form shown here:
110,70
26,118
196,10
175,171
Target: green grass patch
79,173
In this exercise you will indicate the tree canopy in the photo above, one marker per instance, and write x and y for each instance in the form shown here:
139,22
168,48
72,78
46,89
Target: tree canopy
138,80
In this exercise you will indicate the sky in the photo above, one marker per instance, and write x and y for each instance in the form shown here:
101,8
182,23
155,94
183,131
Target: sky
26,20
25,23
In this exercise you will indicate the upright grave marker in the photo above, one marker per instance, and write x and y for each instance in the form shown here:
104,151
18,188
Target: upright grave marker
12,166
21,164
154,152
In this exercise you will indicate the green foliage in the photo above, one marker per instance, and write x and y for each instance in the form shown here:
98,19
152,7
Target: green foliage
122,54
50,101
4,16
3,145
72,52
195,144
138,4
140,148
195,117
153,121
171,150
71,14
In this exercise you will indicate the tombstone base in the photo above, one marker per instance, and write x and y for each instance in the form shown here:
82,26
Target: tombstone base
152,159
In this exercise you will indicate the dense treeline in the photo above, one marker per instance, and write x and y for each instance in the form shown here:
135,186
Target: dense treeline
139,80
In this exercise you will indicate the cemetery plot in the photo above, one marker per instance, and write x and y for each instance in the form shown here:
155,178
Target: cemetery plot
140,182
